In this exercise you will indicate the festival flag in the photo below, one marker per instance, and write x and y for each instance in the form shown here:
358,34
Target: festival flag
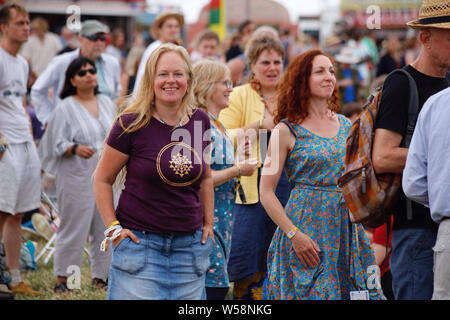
217,18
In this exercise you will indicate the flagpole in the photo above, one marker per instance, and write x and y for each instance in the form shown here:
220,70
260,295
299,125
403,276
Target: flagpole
225,20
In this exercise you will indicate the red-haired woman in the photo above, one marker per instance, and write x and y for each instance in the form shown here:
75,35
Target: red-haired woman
316,252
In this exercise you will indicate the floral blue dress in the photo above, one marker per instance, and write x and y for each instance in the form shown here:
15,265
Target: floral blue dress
347,262
222,157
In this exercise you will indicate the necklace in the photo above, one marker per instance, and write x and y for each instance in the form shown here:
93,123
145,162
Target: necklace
163,122
256,85
270,101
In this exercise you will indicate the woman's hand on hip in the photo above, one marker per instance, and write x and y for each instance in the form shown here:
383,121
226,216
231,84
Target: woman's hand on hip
208,231
125,233
306,249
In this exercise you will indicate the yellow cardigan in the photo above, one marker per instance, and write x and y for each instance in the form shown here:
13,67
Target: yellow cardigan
246,107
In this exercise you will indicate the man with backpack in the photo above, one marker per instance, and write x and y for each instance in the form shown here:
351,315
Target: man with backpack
414,232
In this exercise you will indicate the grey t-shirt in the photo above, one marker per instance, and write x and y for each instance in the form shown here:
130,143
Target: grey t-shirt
14,122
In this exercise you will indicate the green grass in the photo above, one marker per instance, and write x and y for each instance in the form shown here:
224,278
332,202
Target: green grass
44,281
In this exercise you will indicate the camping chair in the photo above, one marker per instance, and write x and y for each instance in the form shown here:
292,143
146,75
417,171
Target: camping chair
49,246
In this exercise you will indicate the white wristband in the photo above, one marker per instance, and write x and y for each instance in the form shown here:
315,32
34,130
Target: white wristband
117,228
114,227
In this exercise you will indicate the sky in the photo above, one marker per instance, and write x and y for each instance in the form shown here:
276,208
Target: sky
191,8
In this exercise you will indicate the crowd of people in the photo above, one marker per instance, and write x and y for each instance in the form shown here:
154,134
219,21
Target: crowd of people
213,171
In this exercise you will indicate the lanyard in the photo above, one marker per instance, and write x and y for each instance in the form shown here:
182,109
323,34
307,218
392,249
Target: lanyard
238,187
219,125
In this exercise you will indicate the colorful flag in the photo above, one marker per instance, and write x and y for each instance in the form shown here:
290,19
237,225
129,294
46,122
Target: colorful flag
217,18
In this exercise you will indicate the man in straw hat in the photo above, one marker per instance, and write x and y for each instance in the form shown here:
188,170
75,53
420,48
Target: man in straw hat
166,28
414,232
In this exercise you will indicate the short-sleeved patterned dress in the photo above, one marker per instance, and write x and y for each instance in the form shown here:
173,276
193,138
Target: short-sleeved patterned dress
222,157
347,261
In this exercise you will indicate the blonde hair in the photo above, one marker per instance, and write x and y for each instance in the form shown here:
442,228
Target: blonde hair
143,105
206,73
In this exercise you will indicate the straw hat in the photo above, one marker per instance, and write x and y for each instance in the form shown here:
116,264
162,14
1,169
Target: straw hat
160,20
347,56
433,13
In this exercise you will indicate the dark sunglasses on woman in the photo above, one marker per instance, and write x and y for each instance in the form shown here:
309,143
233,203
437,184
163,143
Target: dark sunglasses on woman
82,73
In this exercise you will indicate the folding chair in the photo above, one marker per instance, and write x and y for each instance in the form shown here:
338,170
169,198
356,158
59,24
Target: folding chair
49,246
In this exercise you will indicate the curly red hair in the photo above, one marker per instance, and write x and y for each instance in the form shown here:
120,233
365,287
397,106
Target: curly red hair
294,92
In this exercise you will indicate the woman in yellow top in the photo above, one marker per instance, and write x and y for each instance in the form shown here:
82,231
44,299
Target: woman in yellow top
249,119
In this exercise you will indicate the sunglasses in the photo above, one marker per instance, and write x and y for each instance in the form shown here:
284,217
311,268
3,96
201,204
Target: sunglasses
82,73
96,37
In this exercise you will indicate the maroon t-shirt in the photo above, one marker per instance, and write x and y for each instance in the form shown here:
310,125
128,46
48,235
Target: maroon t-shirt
164,172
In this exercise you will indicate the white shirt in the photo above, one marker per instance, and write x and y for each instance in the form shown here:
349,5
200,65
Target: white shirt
152,47
73,123
115,52
40,53
426,178
54,76
14,121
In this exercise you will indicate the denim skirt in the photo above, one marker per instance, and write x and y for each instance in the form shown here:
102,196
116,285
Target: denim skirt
160,267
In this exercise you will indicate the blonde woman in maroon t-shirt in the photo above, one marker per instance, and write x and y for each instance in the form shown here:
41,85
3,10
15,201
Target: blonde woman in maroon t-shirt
162,228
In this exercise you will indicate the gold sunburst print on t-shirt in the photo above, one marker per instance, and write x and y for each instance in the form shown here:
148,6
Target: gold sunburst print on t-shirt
181,165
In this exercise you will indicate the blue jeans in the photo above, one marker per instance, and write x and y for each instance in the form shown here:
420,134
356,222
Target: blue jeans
160,267
412,263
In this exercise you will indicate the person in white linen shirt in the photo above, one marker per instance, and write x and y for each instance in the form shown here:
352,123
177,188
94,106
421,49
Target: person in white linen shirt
426,179
166,28
69,150
92,39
